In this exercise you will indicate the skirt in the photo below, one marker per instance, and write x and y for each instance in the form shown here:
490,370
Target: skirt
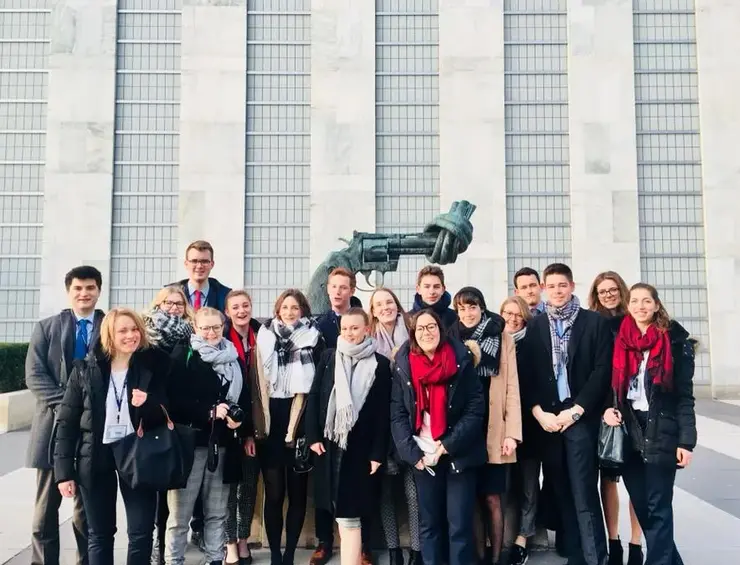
272,451
492,478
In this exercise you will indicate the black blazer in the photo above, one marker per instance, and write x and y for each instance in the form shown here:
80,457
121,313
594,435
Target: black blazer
217,292
589,365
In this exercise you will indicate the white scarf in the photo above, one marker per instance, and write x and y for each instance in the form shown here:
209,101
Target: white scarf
296,374
354,375
223,358
387,342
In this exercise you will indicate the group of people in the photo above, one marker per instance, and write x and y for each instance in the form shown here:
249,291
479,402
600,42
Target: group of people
452,403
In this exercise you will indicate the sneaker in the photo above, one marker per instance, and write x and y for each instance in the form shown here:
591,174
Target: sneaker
616,553
634,555
321,555
518,555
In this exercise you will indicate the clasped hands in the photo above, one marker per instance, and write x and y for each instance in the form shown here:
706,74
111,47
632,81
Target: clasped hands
431,459
552,423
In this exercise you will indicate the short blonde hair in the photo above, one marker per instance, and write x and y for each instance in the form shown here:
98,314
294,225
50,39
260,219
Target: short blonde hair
521,304
162,294
108,330
208,311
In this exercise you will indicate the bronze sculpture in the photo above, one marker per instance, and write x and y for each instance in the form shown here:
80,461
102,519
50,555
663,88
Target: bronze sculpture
442,240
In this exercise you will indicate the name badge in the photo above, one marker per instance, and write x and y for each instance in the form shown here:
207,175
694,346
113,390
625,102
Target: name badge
115,432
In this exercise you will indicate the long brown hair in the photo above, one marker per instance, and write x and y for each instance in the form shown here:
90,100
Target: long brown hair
593,295
661,319
413,344
373,317
299,297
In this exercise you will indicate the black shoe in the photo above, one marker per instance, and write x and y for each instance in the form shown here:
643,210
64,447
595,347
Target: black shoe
219,562
560,544
634,555
518,555
616,553
395,557
196,538
245,560
415,558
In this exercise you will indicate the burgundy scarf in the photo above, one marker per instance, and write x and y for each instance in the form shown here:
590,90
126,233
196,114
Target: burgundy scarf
429,378
628,352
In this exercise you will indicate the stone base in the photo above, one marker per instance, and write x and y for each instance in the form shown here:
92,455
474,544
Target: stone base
16,410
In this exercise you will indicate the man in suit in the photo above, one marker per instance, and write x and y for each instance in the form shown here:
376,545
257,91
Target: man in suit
527,285
567,378
200,289
56,342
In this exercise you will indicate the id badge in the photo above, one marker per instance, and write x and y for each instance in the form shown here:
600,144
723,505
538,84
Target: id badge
115,432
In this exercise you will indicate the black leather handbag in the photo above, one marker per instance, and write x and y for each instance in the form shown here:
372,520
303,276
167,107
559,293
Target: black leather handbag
611,444
302,462
159,459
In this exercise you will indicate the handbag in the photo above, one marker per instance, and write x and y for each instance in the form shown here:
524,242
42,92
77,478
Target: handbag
302,463
159,459
611,444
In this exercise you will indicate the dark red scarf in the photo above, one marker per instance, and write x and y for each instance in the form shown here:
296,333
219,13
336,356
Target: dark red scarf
429,378
236,339
629,346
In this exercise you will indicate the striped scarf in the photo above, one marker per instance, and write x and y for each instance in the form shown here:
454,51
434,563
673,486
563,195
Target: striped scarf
487,334
567,314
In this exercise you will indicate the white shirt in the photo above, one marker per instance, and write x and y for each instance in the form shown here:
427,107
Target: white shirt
117,419
637,392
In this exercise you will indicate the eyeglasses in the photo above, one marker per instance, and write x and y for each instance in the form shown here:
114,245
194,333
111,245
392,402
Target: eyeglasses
429,328
201,262
171,304
515,315
614,291
214,329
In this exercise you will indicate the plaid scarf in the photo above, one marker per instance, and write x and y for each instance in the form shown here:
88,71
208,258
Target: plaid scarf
566,314
487,334
165,330
287,355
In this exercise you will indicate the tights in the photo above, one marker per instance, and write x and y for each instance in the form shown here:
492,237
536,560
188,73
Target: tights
276,480
493,522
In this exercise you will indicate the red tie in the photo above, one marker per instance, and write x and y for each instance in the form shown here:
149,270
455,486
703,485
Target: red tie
196,301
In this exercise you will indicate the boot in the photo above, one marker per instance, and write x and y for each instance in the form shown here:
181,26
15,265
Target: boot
415,558
616,553
634,554
395,557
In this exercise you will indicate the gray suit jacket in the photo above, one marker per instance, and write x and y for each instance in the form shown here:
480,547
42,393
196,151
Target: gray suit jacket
48,366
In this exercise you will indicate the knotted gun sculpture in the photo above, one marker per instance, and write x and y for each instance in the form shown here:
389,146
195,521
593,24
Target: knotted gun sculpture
442,240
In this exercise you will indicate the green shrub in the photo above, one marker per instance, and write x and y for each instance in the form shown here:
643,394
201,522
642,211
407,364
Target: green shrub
12,361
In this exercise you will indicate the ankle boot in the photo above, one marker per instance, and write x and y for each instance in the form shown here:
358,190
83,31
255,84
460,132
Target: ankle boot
395,556
415,558
634,554
616,553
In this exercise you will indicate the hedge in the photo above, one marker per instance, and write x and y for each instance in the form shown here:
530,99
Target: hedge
12,361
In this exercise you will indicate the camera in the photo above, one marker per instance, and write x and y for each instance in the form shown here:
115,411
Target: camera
235,412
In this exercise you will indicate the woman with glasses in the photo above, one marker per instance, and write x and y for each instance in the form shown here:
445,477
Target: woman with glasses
437,410
169,323
288,348
609,297
211,396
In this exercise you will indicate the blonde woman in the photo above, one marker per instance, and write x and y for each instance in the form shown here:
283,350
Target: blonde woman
119,385
169,320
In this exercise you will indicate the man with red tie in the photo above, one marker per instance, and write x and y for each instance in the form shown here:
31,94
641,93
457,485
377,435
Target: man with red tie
200,289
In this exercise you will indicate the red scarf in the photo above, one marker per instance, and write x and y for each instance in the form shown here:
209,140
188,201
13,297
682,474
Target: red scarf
429,377
628,351
236,339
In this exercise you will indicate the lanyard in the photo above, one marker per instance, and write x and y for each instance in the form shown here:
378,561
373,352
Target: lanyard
118,398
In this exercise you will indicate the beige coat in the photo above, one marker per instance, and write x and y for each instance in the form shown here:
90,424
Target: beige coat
504,406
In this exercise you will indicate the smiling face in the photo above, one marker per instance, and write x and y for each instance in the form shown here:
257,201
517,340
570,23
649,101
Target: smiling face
290,311
559,289
354,330
431,289
340,291
513,317
199,265
642,306
126,335
239,311
608,294
427,333
384,308
174,304
469,314
210,328
83,295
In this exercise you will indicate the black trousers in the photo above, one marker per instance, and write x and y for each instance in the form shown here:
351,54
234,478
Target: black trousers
100,504
651,491
570,459
446,510
45,528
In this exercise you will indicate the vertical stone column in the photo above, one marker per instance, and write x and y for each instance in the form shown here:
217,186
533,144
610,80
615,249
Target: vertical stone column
471,116
342,122
603,166
213,131
717,22
79,145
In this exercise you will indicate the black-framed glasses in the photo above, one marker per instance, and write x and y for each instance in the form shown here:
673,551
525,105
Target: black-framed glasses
429,328
171,304
614,291
217,328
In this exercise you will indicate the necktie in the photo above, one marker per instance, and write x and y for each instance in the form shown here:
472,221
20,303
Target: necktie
81,340
196,300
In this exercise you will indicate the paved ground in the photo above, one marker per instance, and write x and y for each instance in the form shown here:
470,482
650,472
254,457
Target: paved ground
707,500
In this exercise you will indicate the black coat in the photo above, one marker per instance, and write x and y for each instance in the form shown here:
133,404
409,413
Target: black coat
589,365
342,479
671,417
217,292
531,430
464,439
194,393
328,323
78,452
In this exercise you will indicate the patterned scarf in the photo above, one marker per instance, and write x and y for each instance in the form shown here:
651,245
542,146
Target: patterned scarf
487,334
287,356
566,314
166,330
354,375
224,361
387,342
519,336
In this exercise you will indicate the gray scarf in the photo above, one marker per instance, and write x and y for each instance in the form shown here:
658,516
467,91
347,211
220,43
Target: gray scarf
224,360
354,375
388,342
166,330
519,336
566,314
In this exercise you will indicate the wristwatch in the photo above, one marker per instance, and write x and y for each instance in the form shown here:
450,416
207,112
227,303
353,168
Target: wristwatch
576,416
